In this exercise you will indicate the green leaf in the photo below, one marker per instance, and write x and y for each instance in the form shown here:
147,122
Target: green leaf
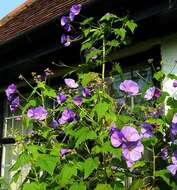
101,108
113,43
171,102
65,176
84,134
109,17
24,158
107,148
124,119
90,165
138,164
170,115
87,21
150,142
34,186
103,187
92,53
172,76
86,78
49,92
78,186
120,32
137,184
160,75
47,163
86,45
131,25
166,176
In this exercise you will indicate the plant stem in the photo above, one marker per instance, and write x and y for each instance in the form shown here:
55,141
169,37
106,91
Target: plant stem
104,59
153,166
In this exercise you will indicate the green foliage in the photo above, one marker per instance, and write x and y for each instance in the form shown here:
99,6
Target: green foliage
86,78
84,134
131,25
66,174
164,174
79,151
89,166
80,186
47,163
103,187
159,76
101,108
138,183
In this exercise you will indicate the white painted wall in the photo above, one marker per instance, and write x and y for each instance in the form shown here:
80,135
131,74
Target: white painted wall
169,62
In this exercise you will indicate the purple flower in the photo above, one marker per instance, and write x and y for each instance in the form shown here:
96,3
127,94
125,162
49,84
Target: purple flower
116,136
147,130
66,40
38,113
11,89
64,151
130,134
61,98
67,116
173,129
15,104
65,23
129,139
74,10
173,167
86,92
77,101
174,120
132,151
152,92
175,83
130,87
71,83
64,20
54,124
174,157
164,153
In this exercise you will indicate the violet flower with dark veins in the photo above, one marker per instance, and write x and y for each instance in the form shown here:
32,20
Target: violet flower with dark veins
175,83
61,98
132,151
65,23
38,113
86,92
15,104
129,139
77,100
71,83
164,153
147,130
74,10
10,91
64,151
152,93
67,116
173,167
173,128
130,87
66,40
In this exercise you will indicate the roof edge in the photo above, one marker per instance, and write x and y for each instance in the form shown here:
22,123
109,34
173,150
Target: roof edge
16,11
